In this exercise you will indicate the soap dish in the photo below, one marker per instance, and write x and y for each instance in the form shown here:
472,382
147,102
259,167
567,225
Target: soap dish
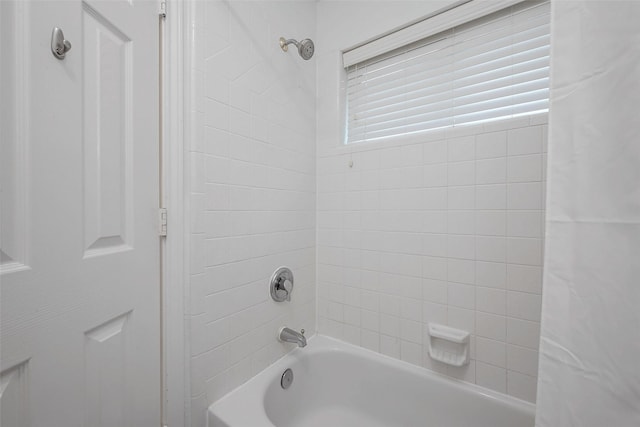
448,345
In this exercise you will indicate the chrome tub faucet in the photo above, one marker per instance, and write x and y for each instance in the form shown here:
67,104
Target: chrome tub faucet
289,335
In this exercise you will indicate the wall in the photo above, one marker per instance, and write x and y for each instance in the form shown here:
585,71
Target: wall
252,188
445,228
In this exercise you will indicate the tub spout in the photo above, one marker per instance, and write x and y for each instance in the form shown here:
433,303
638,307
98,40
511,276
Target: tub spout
289,335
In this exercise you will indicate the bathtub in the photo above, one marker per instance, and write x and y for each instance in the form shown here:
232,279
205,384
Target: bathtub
340,385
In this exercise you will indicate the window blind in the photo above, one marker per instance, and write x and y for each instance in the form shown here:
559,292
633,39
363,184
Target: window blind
493,67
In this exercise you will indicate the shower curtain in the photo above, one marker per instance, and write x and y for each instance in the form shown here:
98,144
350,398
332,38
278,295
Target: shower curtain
590,340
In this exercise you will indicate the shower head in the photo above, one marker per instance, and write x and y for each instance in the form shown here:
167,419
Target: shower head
305,47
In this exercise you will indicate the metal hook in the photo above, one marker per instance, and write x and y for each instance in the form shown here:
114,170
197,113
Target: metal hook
59,46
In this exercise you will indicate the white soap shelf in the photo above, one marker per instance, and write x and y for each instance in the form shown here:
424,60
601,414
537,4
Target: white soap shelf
448,345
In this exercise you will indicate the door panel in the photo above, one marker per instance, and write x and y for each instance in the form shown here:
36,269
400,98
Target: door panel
108,215
79,267
13,126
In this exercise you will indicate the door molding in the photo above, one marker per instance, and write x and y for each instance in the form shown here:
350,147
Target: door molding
175,251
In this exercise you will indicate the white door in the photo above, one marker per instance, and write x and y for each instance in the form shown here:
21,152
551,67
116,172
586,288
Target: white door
79,260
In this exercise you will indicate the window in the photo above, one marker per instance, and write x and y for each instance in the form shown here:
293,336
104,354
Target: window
492,67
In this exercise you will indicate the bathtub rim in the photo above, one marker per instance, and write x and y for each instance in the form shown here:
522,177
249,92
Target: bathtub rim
257,386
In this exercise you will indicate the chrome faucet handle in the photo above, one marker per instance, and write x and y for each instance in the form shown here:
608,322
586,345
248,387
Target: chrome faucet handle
281,284
283,289
287,286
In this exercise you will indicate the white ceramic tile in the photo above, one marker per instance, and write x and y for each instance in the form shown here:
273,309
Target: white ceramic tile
521,386
434,244
526,140
369,160
492,196
390,304
434,291
523,333
491,326
461,222
522,360
411,309
491,274
460,295
524,251
491,351
434,268
352,296
524,306
490,223
491,300
410,287
236,219
461,198
434,313
216,86
524,196
434,221
491,171
491,377
352,316
411,155
421,232
390,346
461,173
389,325
411,352
490,145
462,148
433,198
370,320
461,318
435,175
216,114
461,271
411,331
524,224
351,334
434,152
524,168
216,142
459,246
490,248
524,278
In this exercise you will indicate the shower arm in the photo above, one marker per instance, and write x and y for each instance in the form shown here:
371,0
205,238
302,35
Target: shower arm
284,43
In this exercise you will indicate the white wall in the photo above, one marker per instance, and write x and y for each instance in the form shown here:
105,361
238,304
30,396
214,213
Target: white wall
252,189
446,227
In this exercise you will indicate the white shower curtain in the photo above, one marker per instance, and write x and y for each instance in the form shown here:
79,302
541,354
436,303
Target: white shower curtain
590,343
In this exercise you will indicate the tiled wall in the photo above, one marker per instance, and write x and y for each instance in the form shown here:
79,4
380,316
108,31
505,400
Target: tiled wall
252,184
443,228
446,228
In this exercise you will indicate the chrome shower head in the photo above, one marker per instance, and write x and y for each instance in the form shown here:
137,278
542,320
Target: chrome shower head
305,47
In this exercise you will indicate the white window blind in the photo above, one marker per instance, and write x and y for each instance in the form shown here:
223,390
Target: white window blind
493,67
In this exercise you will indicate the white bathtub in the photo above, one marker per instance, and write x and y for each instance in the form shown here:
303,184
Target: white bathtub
339,385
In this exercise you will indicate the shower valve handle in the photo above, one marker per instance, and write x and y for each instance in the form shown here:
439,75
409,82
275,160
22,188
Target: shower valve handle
281,284
284,288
